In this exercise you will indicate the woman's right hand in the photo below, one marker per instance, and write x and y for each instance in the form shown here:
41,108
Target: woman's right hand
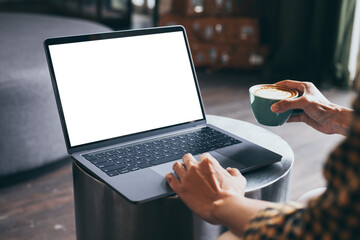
319,112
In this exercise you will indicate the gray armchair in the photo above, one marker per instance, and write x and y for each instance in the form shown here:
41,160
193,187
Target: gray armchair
30,130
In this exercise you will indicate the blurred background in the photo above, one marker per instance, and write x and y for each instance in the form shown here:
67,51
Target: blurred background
311,40
234,44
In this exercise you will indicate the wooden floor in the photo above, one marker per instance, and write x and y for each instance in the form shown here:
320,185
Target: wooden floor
42,207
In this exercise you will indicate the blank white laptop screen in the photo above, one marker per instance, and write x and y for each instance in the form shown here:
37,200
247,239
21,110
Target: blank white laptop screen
116,87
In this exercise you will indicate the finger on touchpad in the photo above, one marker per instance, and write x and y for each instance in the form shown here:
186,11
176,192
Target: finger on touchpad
174,173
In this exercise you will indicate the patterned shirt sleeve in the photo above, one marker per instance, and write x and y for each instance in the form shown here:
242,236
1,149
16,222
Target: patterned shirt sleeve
333,215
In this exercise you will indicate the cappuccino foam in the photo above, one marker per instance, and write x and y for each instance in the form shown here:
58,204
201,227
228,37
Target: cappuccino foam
275,92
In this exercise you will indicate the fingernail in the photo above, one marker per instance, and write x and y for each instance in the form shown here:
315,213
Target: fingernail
275,108
167,177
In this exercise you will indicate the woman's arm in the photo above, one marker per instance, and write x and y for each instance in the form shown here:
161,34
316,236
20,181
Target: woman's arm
217,195
236,212
319,112
213,193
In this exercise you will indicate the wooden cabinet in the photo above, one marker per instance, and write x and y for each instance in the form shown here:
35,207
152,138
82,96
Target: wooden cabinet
221,33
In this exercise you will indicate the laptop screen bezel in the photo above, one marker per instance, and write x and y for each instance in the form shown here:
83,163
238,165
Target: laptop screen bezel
134,136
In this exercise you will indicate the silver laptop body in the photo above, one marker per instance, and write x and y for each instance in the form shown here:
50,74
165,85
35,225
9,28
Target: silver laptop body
120,92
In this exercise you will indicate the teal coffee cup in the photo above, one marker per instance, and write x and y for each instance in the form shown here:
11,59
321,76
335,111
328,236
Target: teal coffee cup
262,96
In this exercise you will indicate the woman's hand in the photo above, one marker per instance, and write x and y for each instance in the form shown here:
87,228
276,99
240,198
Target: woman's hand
319,112
204,185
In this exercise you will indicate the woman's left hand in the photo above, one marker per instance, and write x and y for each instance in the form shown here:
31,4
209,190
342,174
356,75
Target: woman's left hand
202,185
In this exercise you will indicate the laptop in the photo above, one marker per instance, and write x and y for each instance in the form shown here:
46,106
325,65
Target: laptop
130,106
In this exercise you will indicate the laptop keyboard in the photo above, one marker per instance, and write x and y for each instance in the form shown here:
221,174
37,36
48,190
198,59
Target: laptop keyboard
131,158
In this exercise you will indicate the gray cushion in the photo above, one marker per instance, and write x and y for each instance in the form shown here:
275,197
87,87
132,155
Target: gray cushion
30,131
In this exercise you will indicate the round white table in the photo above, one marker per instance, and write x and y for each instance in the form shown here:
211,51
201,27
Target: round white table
103,214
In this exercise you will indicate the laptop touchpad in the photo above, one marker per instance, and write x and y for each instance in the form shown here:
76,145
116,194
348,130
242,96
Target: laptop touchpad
227,162
164,168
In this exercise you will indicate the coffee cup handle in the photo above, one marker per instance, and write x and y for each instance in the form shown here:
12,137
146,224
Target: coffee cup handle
297,112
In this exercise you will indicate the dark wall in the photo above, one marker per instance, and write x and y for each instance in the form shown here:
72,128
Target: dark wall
302,36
